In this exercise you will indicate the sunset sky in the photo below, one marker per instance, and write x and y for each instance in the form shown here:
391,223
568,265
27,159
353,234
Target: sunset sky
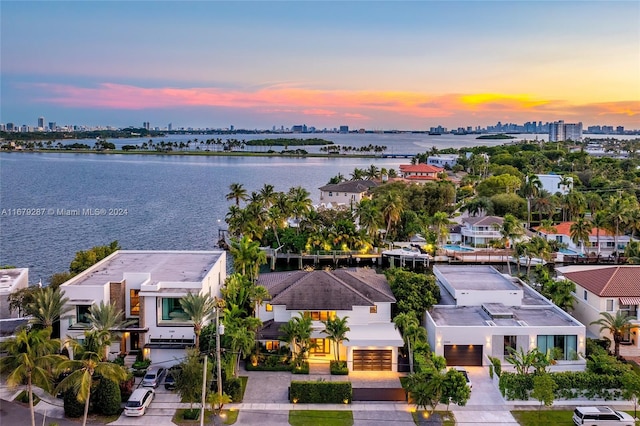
372,65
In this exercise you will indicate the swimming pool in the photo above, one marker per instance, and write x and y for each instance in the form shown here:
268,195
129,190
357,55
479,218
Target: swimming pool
568,251
456,248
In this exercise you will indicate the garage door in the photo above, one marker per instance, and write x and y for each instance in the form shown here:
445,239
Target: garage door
463,354
372,360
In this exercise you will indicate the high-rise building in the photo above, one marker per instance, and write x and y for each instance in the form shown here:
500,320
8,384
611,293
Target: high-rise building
41,123
52,126
170,127
344,129
146,125
561,131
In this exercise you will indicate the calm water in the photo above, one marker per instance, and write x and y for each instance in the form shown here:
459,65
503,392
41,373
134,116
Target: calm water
172,203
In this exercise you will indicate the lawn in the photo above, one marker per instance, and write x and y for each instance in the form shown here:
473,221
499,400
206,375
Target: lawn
229,416
320,418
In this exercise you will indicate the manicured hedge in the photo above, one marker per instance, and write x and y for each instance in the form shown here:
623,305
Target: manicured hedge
570,385
233,387
339,368
107,398
72,407
260,367
303,369
320,392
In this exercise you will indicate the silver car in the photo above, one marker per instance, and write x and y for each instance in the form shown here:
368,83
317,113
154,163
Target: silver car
154,377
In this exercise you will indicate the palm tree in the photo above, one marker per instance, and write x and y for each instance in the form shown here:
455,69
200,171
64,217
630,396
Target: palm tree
247,257
510,230
594,203
618,213
300,203
84,369
392,210
599,221
199,308
336,330
580,231
267,195
297,332
530,190
411,332
30,357
440,222
372,172
237,193
106,319
616,325
47,307
368,217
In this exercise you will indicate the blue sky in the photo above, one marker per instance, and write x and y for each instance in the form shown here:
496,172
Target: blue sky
367,64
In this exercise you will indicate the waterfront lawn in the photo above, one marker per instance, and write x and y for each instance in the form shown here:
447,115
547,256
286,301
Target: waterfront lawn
320,418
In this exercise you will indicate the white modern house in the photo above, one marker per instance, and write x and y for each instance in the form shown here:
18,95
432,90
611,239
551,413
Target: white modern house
609,288
348,193
147,286
483,313
360,294
562,234
442,160
556,183
11,280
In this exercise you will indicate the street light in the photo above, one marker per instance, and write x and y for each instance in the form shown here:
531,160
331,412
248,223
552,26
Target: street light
219,304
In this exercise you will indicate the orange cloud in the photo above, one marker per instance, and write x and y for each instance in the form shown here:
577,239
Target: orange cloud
360,105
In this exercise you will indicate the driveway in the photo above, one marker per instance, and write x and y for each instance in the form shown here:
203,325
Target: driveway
486,405
159,413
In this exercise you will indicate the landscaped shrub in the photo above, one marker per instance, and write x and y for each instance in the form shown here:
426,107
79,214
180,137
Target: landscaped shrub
497,365
191,414
126,387
320,392
233,387
107,398
302,369
72,407
142,365
339,368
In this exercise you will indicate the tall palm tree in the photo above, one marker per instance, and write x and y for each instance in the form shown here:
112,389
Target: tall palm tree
247,257
297,332
372,172
510,230
267,195
82,378
616,325
600,222
530,190
47,307
237,193
336,330
30,357
392,210
411,332
368,217
618,214
594,203
440,221
580,231
199,308
300,203
106,319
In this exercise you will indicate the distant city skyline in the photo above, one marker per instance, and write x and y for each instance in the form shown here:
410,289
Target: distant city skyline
372,65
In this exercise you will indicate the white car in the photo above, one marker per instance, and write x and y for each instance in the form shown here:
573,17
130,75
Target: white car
138,402
601,416
464,372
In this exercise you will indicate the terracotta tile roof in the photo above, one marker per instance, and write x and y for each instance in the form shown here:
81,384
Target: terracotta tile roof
614,281
420,168
564,228
353,186
326,290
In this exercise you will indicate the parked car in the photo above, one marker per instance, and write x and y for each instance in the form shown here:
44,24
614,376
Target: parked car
601,416
154,376
138,402
170,378
464,372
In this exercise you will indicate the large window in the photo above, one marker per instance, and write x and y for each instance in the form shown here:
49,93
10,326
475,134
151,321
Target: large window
134,301
559,347
509,342
320,315
82,314
172,311
609,305
319,346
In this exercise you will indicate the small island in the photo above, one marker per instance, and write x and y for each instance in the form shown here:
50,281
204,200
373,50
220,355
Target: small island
498,136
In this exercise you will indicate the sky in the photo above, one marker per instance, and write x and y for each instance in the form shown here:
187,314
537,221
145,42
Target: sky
377,65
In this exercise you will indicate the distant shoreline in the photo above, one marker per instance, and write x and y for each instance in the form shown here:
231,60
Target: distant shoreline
190,153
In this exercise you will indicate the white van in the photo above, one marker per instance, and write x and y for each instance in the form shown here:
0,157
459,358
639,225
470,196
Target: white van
601,416
138,402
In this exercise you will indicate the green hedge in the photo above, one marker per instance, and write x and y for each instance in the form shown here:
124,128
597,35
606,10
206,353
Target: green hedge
233,387
260,367
320,392
339,368
72,407
570,385
303,369
107,398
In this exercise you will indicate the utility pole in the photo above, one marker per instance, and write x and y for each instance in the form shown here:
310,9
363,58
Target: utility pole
219,332
204,388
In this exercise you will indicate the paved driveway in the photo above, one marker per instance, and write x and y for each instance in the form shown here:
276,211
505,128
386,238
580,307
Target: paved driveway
159,413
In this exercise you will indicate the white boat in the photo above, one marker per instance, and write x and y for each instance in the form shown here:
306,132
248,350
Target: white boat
409,251
524,261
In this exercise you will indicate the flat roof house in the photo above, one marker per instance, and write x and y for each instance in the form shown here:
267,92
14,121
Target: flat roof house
147,286
483,313
361,294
